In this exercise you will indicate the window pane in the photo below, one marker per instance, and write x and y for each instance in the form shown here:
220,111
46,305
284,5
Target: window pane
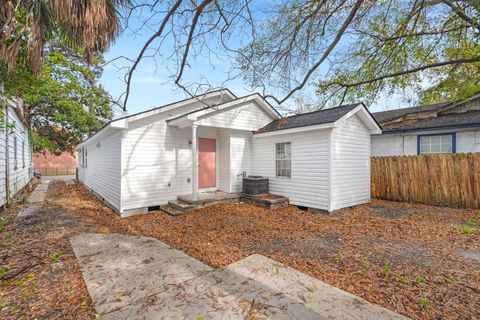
446,139
436,139
425,148
435,148
283,162
436,144
446,148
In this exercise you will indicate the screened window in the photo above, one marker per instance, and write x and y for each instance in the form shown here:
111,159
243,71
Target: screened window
15,152
284,159
23,154
444,143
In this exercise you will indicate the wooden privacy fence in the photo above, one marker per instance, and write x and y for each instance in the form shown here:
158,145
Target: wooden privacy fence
447,179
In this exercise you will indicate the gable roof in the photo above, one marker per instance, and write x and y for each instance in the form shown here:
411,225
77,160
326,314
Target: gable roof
267,107
309,118
120,122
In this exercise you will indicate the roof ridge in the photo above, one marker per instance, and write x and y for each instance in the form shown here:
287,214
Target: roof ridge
440,104
328,109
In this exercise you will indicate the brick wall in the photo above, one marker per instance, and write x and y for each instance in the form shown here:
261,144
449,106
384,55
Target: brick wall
51,161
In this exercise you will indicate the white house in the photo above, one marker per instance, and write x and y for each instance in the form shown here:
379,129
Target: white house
438,128
319,160
16,169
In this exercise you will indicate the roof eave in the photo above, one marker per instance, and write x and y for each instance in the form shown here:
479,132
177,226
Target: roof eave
438,128
327,125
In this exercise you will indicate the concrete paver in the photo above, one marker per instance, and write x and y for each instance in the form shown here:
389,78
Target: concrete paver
36,200
120,270
143,278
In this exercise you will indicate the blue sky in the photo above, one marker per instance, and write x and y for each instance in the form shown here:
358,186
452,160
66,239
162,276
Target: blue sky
152,87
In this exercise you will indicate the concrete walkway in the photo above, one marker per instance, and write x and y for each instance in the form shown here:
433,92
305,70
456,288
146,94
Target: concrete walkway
62,177
36,200
143,278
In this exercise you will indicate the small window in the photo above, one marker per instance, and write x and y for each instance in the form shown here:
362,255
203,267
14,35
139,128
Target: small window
439,143
15,152
284,159
23,154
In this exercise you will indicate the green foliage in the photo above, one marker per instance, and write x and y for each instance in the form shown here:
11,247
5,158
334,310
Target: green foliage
424,303
422,279
64,102
339,256
387,269
3,271
3,223
55,257
466,229
386,48
402,279
447,279
472,222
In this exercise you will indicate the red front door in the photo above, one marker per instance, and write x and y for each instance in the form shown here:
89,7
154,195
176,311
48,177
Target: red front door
207,159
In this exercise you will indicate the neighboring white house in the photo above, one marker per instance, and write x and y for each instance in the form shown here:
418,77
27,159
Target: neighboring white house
16,169
439,128
319,160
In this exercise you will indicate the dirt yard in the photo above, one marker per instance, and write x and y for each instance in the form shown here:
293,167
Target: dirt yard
420,261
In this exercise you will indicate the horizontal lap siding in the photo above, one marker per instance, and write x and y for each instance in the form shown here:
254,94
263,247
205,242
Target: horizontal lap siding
241,158
309,183
157,164
248,117
102,172
350,164
19,175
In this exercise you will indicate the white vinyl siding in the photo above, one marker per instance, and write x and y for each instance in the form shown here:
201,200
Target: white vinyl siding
248,117
20,177
350,144
309,182
240,158
467,140
101,168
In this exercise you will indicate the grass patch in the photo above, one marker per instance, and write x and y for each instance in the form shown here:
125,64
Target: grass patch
387,269
424,303
422,279
55,257
466,229
472,222
4,222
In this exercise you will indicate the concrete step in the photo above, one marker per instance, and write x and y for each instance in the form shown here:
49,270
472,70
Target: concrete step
171,211
181,205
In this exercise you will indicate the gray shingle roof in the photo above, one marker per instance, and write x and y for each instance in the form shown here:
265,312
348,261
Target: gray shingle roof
470,118
385,116
309,119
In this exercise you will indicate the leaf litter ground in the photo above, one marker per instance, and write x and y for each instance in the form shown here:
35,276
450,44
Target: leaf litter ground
405,257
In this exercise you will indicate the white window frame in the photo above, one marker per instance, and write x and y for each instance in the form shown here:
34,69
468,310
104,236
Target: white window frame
15,153
23,154
437,143
283,160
